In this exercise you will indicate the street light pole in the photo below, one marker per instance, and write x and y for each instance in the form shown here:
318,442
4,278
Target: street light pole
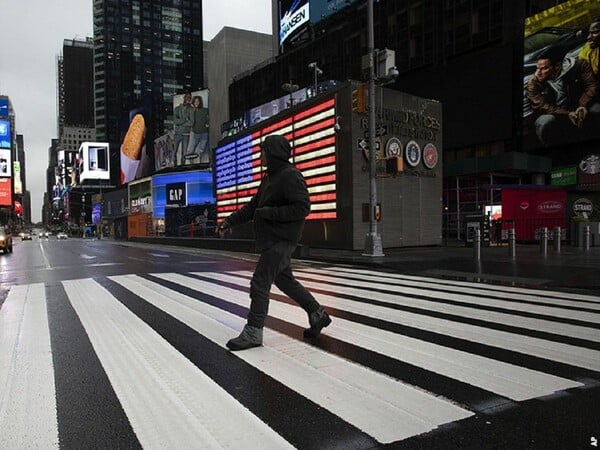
373,246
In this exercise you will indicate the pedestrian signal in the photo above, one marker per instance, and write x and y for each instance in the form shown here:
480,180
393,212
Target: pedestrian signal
358,99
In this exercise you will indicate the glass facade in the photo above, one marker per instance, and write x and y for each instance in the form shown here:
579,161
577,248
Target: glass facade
144,53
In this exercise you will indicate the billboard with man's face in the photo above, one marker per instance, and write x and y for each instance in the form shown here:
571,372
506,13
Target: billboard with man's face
5,163
561,87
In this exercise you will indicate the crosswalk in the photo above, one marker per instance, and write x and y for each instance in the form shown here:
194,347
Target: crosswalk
140,360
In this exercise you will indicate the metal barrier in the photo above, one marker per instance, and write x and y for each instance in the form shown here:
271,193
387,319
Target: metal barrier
586,238
557,237
544,241
512,243
477,245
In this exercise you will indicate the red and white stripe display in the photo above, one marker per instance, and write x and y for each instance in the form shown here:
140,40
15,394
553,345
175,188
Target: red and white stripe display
312,136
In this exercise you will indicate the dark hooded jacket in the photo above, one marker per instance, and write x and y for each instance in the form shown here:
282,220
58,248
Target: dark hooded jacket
281,203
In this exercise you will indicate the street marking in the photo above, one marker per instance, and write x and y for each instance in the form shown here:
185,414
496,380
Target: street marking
27,396
168,400
508,380
381,406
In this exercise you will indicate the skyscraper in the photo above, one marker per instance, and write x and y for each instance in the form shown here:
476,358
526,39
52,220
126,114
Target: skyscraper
144,53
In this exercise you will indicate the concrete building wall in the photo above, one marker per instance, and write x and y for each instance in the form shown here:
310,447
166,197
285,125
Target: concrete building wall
231,52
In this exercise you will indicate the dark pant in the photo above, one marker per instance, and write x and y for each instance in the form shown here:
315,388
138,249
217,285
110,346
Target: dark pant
274,267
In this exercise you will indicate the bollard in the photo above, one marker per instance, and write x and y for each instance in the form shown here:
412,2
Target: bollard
477,245
544,241
557,236
512,243
586,238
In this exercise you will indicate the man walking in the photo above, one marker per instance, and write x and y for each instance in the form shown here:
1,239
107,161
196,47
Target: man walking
278,210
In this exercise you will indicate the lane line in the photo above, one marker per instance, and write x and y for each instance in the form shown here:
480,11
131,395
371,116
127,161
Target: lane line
553,351
27,397
382,407
508,380
169,402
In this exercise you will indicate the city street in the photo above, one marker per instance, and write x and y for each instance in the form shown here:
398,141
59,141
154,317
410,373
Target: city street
105,344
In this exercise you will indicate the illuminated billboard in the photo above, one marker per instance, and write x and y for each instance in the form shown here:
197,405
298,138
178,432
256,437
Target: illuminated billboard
4,107
5,191
197,185
321,9
561,75
94,162
188,142
137,155
5,163
294,15
5,136
238,170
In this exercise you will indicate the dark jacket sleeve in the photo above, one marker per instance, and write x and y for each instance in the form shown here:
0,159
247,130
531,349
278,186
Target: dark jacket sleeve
245,213
297,205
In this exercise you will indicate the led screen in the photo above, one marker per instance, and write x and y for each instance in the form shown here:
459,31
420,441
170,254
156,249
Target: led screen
3,107
94,162
311,132
5,136
561,75
187,143
198,186
5,163
293,17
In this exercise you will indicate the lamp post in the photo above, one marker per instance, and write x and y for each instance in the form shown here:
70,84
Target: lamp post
291,88
317,72
373,246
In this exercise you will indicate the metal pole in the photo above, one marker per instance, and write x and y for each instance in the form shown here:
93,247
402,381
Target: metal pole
512,241
544,241
557,235
373,246
477,245
586,238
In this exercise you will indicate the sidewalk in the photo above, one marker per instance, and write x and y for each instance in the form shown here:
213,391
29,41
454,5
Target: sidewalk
571,269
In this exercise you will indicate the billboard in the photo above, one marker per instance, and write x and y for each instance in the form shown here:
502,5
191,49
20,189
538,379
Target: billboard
4,107
5,191
94,162
321,9
188,142
136,152
294,15
168,190
5,163
561,75
311,132
5,136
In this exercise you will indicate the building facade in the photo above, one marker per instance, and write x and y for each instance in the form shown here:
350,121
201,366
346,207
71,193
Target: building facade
145,52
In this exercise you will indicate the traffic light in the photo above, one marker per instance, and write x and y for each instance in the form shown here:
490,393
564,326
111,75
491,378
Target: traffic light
358,99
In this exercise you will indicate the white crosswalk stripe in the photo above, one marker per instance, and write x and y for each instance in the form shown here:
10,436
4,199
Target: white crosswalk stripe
172,401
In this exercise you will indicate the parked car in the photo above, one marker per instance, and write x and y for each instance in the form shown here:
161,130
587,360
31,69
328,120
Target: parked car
61,236
6,244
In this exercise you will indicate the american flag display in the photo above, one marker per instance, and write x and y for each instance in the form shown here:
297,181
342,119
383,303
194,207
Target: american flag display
311,133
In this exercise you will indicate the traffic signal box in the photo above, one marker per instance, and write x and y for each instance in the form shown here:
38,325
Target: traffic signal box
389,167
358,99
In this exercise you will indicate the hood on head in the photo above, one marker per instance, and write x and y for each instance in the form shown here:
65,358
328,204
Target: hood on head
276,148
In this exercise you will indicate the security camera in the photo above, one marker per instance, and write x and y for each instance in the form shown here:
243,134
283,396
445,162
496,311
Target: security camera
393,71
337,127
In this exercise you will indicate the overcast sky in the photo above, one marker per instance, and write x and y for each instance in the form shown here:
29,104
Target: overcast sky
32,37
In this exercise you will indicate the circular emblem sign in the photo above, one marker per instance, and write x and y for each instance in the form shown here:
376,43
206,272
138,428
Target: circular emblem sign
430,156
583,207
413,153
393,147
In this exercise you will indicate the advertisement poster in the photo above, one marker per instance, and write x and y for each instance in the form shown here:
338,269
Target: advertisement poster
94,162
136,156
294,16
561,75
5,163
5,191
5,138
188,143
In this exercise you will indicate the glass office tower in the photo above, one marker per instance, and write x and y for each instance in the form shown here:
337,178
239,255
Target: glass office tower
144,53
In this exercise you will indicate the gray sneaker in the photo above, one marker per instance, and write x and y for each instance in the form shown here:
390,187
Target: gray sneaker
317,320
248,338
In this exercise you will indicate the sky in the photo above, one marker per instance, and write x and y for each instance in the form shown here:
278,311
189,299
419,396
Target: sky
32,37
